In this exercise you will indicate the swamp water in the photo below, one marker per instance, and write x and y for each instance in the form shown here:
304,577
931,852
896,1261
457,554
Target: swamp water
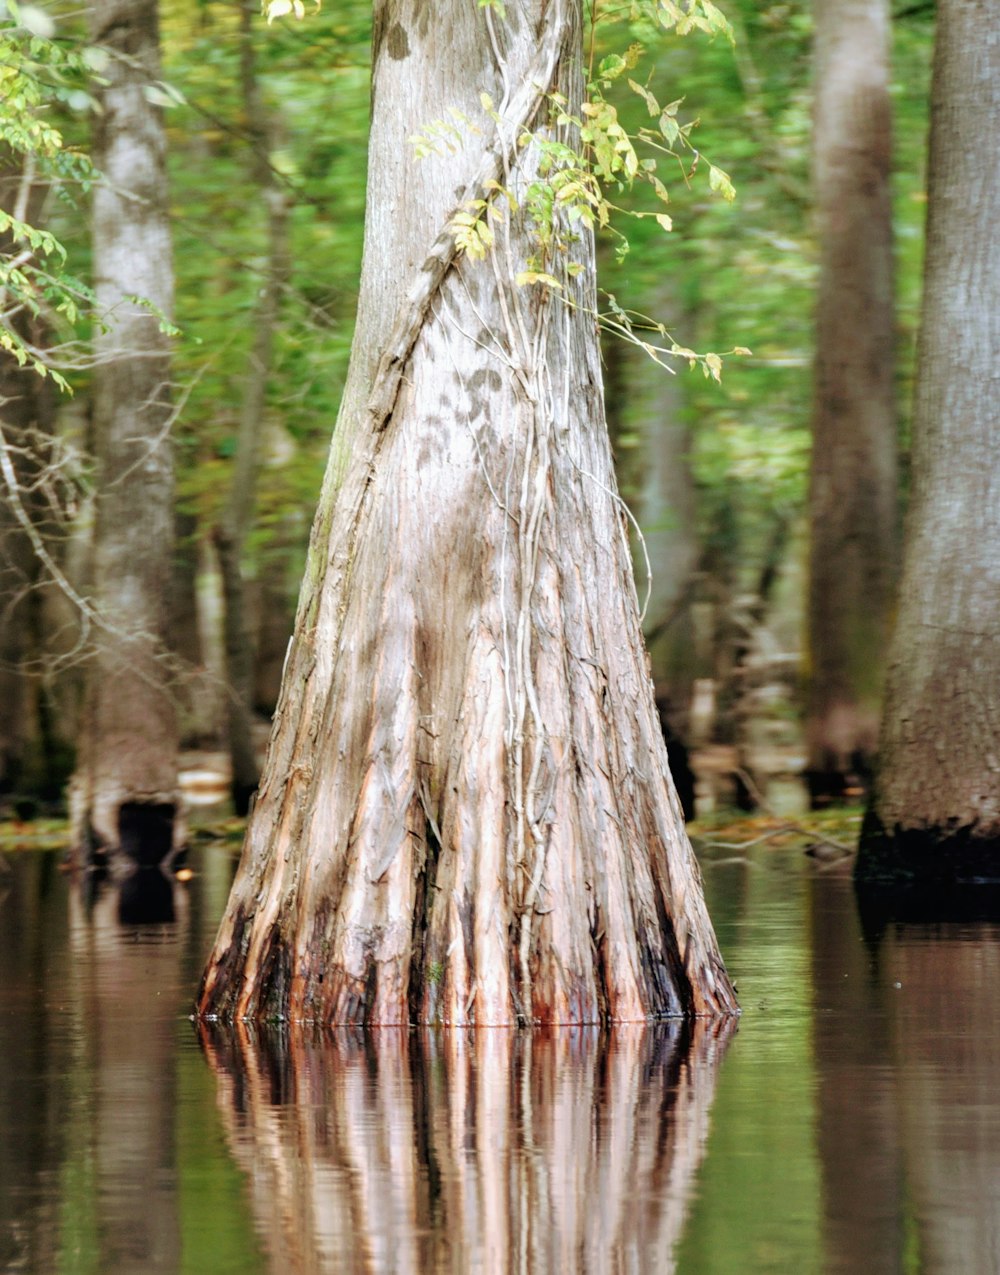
850,1122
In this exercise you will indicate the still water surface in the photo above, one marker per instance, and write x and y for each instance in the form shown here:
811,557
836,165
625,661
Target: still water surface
850,1124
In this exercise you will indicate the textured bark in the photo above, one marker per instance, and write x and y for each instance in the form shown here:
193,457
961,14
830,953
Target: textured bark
130,740
853,483
466,814
936,808
565,1150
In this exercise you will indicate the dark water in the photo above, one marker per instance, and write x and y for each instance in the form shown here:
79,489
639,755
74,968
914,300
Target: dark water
851,1123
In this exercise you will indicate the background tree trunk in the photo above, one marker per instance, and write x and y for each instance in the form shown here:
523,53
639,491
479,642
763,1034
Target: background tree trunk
853,483
651,443
130,739
466,814
936,808
237,520
33,760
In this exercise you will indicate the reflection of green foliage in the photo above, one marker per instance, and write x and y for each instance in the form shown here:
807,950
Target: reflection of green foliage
216,1220
758,1205
79,1242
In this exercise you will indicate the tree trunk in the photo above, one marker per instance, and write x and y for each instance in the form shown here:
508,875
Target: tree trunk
31,760
231,534
651,443
466,814
274,607
130,737
199,691
853,484
936,807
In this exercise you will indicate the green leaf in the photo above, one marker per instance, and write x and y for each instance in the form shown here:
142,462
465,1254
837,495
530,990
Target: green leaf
720,183
536,276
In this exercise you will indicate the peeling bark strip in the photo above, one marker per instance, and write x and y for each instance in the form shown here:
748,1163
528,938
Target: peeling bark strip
466,815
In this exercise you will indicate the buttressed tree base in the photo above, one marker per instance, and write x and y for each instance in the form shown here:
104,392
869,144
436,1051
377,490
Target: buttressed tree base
466,815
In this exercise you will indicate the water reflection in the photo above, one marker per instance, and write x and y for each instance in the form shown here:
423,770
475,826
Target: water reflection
854,1124
941,979
127,1121
564,1150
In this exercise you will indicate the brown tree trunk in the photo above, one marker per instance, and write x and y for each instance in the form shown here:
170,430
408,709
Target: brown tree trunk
853,484
651,443
130,736
466,814
275,616
31,759
199,690
231,534
936,807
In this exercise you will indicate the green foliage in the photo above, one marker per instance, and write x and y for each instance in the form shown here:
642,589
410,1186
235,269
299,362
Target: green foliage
634,163
581,166
36,73
314,86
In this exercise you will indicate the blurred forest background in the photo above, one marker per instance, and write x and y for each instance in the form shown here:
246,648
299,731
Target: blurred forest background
265,155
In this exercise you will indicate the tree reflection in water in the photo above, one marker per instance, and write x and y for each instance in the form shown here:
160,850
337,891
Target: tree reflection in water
123,974
567,1149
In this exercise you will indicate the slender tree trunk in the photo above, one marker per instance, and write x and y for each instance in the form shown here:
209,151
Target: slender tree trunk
18,567
651,444
231,534
275,611
27,420
936,807
466,814
198,696
853,483
130,738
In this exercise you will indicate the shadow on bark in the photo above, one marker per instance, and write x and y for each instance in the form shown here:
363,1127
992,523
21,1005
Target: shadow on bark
497,1149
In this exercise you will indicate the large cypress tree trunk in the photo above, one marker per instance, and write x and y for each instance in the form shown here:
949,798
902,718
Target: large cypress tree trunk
466,814
853,484
130,737
936,808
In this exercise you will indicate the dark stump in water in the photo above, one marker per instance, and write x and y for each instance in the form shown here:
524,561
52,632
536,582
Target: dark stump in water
146,897
927,873
146,832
